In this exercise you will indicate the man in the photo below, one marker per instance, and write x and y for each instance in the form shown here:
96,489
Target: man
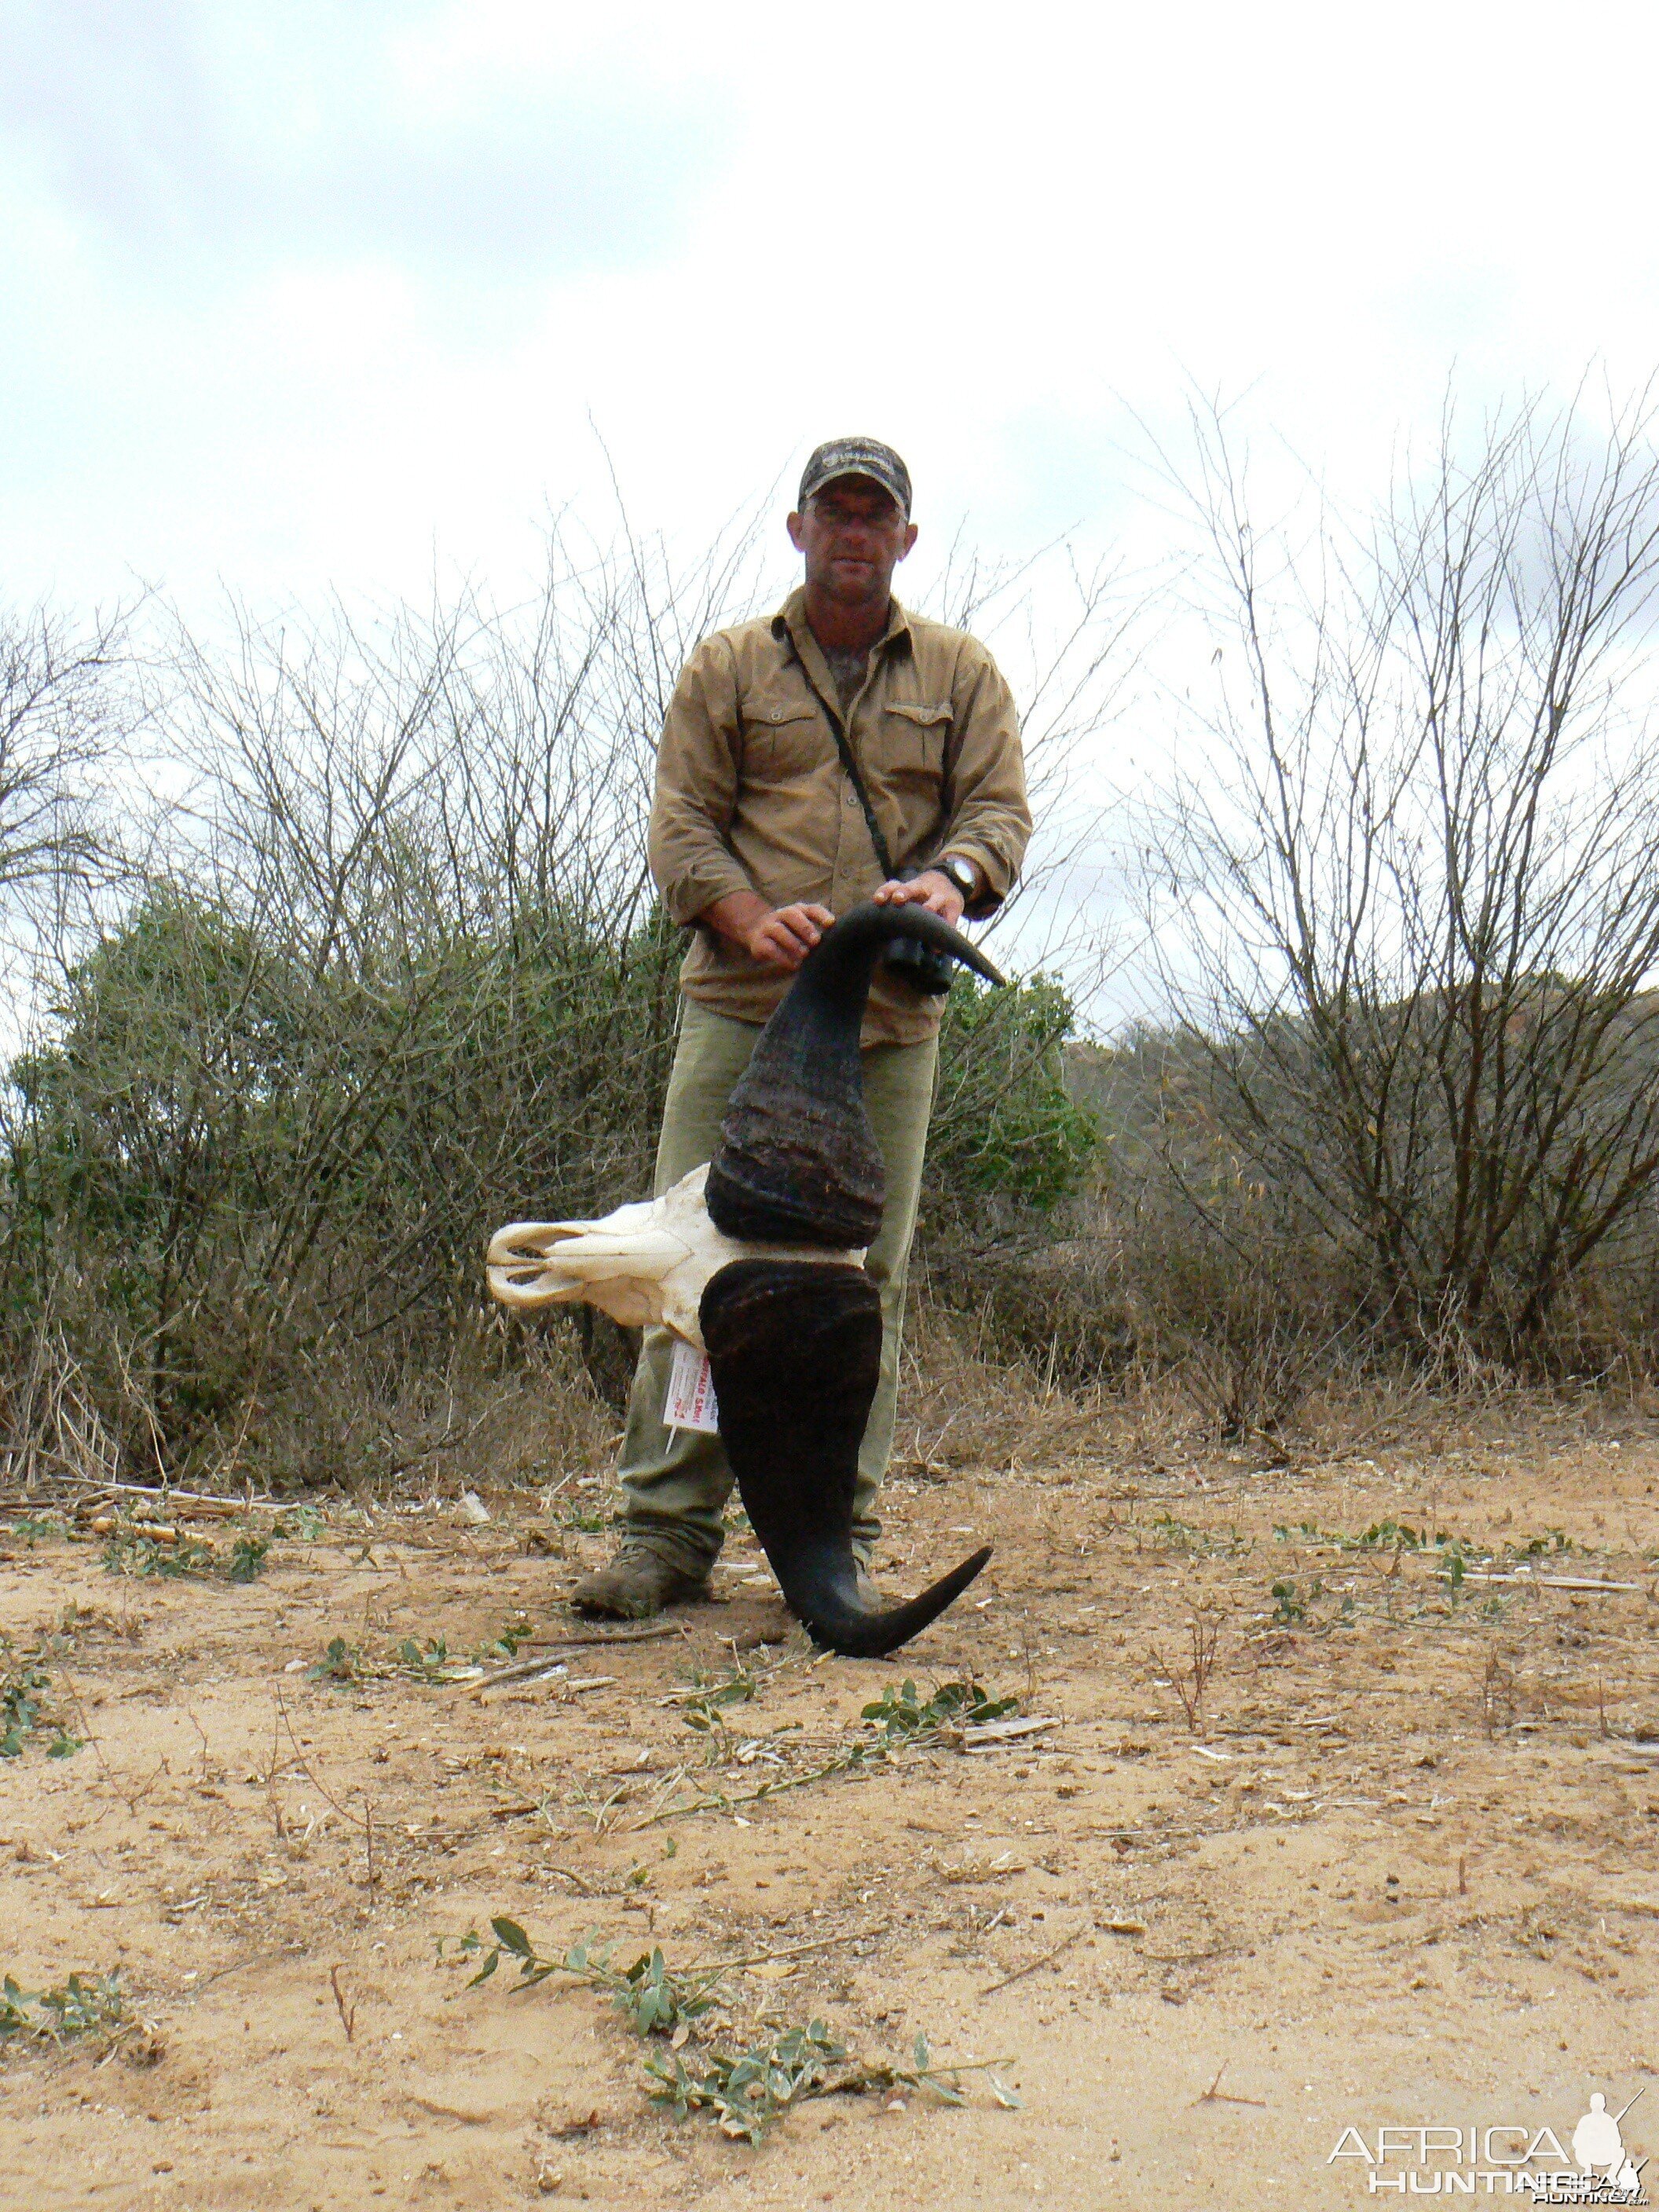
759,837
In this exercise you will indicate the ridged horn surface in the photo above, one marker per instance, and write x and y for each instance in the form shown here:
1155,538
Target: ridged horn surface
797,1161
795,1350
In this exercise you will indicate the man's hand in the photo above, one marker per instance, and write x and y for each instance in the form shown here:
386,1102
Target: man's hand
930,889
777,937
783,937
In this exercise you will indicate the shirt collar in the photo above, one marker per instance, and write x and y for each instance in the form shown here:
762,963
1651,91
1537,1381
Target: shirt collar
791,619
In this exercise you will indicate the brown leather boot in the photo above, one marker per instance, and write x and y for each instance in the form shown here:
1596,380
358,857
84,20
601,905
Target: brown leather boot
637,1583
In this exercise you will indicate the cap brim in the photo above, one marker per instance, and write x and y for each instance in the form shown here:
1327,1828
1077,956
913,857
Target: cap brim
863,475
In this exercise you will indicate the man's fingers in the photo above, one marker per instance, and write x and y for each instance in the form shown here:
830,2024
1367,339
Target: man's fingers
773,949
785,938
918,892
931,889
800,923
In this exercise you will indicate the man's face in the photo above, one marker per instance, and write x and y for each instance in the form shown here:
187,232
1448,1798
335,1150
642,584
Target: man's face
853,537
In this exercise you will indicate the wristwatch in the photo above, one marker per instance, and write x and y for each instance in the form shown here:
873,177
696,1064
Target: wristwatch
962,873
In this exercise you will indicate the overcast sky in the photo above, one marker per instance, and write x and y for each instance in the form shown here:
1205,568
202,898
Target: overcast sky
299,294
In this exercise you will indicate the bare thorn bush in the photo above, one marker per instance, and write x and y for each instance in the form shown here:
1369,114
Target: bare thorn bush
1191,1683
1408,913
382,966
1497,1695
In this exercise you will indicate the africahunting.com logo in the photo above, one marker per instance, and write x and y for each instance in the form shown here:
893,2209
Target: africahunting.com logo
1594,2166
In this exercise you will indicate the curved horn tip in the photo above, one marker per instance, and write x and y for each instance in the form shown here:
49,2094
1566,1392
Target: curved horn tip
854,1633
917,920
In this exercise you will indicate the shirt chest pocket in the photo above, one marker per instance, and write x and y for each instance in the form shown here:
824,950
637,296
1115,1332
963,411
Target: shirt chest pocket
915,736
784,739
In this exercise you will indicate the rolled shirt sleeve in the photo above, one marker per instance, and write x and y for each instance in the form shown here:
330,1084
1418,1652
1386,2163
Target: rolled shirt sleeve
990,816
697,785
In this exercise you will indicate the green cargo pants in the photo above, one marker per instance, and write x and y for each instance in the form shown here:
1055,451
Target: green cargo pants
675,1483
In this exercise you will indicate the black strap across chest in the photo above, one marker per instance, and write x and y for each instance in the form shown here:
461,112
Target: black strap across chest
850,769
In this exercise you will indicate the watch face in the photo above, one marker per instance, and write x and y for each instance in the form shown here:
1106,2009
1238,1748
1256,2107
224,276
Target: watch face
961,875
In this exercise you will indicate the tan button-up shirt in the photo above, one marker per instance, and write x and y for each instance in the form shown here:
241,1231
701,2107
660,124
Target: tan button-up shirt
751,794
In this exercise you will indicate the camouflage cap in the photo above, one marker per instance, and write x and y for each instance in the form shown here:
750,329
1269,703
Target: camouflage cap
857,457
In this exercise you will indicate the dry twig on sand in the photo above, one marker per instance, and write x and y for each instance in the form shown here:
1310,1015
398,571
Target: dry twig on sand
1215,2094
1020,1972
523,1668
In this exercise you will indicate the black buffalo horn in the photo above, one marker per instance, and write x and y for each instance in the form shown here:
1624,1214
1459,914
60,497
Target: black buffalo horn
797,1161
794,1346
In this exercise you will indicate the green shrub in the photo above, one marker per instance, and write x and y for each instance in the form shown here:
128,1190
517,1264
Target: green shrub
237,1174
1004,1128
251,1174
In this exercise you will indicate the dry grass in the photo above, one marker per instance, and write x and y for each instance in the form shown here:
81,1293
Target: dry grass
960,1406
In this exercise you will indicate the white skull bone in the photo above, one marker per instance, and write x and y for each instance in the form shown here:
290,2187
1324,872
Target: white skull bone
648,1262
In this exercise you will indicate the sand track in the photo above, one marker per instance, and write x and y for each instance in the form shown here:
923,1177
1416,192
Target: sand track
1405,1874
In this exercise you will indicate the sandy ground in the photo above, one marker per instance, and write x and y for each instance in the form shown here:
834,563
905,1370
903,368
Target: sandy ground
1402,1873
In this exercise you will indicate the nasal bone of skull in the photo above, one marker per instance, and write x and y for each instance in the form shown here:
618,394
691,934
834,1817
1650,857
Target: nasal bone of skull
646,1263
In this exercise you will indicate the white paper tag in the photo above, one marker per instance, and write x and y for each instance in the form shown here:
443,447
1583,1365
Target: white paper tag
691,1393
